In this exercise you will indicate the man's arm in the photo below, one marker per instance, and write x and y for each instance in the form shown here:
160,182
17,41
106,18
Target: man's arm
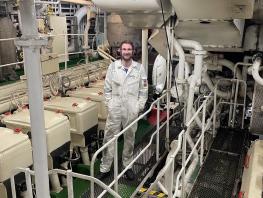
108,85
143,89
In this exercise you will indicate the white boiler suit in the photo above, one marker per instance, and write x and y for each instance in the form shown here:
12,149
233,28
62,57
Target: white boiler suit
126,93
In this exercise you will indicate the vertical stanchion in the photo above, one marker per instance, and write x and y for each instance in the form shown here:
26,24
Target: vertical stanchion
171,183
244,104
203,133
70,184
183,163
158,131
28,183
214,116
66,51
235,104
116,165
13,186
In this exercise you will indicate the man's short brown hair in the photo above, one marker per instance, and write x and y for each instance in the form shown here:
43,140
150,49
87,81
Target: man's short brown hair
127,42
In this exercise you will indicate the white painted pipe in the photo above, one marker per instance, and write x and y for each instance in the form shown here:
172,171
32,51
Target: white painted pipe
255,71
55,183
199,54
181,55
190,100
209,83
85,155
86,31
83,11
105,55
230,65
105,28
179,73
145,49
195,79
187,70
7,90
31,46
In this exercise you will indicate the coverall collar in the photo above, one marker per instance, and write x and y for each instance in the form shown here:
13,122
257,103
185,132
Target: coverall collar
119,64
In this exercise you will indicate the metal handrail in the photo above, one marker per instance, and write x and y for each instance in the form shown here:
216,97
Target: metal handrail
200,141
139,155
170,163
237,81
114,139
46,36
69,175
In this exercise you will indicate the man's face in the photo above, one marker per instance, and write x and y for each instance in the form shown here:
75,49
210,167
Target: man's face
126,52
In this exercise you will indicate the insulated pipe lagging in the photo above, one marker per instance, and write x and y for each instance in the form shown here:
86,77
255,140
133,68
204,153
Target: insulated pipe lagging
255,71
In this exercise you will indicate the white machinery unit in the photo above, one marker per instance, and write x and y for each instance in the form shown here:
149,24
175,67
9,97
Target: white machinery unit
82,114
56,126
15,152
213,9
49,63
139,14
95,94
58,25
253,172
57,134
197,19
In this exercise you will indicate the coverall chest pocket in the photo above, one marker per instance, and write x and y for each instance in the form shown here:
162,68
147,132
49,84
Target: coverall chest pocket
133,86
116,87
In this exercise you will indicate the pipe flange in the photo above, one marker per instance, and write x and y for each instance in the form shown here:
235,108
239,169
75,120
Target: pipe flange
199,52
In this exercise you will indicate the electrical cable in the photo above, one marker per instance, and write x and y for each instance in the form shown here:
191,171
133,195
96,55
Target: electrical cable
169,50
170,63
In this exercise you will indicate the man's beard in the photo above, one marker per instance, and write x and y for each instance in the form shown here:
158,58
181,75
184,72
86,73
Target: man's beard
126,59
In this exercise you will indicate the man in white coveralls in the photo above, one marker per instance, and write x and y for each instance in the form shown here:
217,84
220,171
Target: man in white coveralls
126,91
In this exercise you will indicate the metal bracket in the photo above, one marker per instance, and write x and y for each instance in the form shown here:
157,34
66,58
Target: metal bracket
31,42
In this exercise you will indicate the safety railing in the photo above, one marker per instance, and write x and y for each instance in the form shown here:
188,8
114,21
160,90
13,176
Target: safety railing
65,54
199,145
106,188
69,178
233,103
114,141
168,170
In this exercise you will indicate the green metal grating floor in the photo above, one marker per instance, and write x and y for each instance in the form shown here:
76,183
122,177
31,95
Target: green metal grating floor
218,175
